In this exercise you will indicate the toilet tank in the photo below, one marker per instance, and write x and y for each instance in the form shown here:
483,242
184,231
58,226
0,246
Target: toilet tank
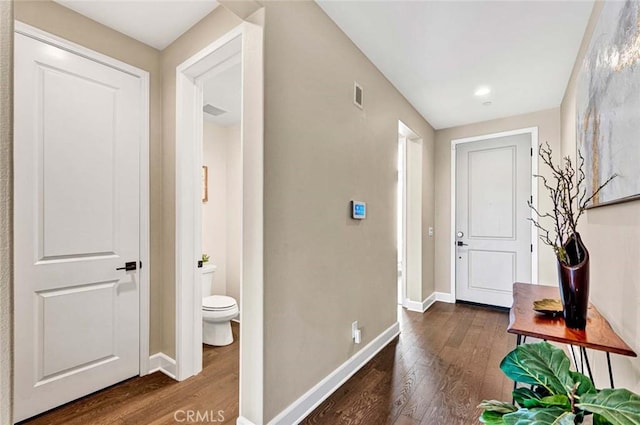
207,279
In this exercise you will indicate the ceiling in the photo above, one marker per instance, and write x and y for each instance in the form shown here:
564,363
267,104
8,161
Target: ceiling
156,23
438,53
224,91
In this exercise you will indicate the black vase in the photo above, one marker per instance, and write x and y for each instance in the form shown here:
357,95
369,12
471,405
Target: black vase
574,283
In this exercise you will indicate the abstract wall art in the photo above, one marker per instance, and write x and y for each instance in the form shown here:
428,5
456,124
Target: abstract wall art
608,105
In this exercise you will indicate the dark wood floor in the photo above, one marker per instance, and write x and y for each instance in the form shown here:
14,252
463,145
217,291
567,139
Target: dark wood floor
443,364
155,399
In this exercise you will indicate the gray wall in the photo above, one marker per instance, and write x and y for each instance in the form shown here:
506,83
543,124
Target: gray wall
322,269
611,234
6,209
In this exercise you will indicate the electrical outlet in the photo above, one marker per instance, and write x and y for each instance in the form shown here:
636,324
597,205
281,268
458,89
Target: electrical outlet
355,332
431,232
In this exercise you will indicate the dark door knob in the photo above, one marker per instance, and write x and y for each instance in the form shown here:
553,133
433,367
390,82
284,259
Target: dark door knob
131,265
460,243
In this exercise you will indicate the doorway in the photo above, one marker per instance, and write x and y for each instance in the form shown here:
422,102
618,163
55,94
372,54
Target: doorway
190,79
409,219
493,243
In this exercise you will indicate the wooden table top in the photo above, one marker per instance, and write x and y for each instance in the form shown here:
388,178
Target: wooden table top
523,320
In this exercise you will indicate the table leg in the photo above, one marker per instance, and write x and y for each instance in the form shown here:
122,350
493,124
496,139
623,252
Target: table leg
586,360
575,359
610,370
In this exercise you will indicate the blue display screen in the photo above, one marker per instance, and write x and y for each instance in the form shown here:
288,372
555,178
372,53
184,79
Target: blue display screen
359,210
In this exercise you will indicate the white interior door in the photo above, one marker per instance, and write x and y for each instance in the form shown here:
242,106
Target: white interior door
493,235
77,203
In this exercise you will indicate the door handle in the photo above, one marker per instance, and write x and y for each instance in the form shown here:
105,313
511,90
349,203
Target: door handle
460,243
129,266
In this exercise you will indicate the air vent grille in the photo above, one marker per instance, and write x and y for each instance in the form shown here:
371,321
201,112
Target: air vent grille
212,110
358,95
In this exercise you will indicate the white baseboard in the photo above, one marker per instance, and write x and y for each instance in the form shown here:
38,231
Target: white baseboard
420,307
243,421
163,363
301,408
445,297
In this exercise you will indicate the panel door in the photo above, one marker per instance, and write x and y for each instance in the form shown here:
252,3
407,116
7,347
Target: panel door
77,203
493,235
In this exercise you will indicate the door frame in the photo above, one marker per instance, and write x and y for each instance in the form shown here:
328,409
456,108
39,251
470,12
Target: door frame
533,131
144,237
189,129
410,136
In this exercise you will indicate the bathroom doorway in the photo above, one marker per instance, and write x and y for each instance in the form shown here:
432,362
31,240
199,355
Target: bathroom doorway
222,201
240,47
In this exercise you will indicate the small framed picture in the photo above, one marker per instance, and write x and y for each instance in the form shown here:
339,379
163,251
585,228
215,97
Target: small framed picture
205,183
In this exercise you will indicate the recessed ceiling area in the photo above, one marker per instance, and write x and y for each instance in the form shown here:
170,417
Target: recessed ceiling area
439,53
224,91
152,22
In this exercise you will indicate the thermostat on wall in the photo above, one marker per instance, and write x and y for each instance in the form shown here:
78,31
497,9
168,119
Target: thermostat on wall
358,210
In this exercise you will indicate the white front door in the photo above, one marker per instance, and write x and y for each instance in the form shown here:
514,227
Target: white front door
77,207
493,235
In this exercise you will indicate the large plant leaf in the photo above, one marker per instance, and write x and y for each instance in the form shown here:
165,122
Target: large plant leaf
523,395
497,406
619,407
539,364
585,385
492,418
598,420
558,400
542,416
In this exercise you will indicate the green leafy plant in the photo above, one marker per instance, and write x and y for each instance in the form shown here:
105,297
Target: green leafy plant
205,258
558,395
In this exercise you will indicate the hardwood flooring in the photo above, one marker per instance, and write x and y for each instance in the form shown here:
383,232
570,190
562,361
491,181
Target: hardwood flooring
442,365
156,398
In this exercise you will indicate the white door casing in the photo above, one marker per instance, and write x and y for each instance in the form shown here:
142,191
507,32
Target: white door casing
401,223
80,177
493,238
413,235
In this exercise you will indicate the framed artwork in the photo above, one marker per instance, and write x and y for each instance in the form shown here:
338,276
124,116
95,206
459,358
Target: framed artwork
205,183
608,105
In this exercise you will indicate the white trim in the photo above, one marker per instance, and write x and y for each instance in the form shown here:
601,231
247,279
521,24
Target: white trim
445,297
243,421
144,247
534,193
423,306
160,362
77,49
300,409
189,124
248,39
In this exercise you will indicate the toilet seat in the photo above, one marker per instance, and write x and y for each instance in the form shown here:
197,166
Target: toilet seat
218,303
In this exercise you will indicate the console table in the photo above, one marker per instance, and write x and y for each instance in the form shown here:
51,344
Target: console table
598,335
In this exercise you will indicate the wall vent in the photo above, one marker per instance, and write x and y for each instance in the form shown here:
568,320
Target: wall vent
212,110
358,95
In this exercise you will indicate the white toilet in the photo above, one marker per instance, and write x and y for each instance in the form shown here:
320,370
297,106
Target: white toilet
217,312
